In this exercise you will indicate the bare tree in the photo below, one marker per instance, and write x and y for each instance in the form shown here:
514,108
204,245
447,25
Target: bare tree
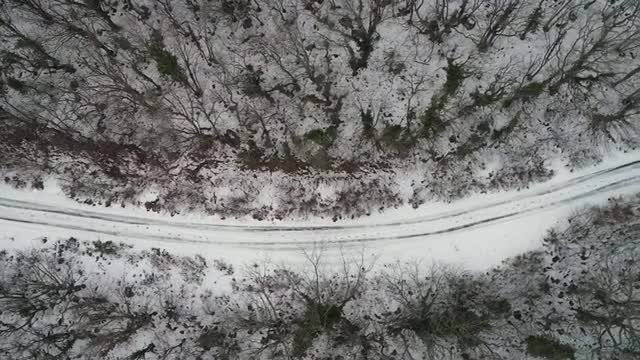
504,19
297,307
446,310
609,302
440,17
354,21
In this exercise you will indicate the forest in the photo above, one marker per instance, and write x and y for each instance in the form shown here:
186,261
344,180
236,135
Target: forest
578,297
278,108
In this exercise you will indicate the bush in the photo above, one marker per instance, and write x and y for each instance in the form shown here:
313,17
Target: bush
550,349
17,85
317,318
167,63
322,137
431,120
455,77
368,129
391,135
526,93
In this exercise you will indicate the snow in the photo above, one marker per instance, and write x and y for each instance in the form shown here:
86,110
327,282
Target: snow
477,232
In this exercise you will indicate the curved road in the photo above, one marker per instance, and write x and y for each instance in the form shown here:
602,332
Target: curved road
497,224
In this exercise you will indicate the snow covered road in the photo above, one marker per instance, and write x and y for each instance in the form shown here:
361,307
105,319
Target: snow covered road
478,231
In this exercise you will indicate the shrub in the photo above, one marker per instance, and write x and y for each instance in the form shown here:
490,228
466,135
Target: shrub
322,137
482,99
550,349
533,22
526,92
36,48
455,77
431,119
17,85
167,63
318,317
123,43
368,129
474,143
391,135
504,132
104,248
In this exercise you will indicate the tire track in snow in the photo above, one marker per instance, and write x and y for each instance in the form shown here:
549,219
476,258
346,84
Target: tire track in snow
71,218
132,220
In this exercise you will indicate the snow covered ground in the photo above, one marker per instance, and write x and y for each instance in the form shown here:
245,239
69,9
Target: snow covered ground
479,231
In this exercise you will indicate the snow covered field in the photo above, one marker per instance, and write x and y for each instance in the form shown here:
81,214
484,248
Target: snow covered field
479,231
310,179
